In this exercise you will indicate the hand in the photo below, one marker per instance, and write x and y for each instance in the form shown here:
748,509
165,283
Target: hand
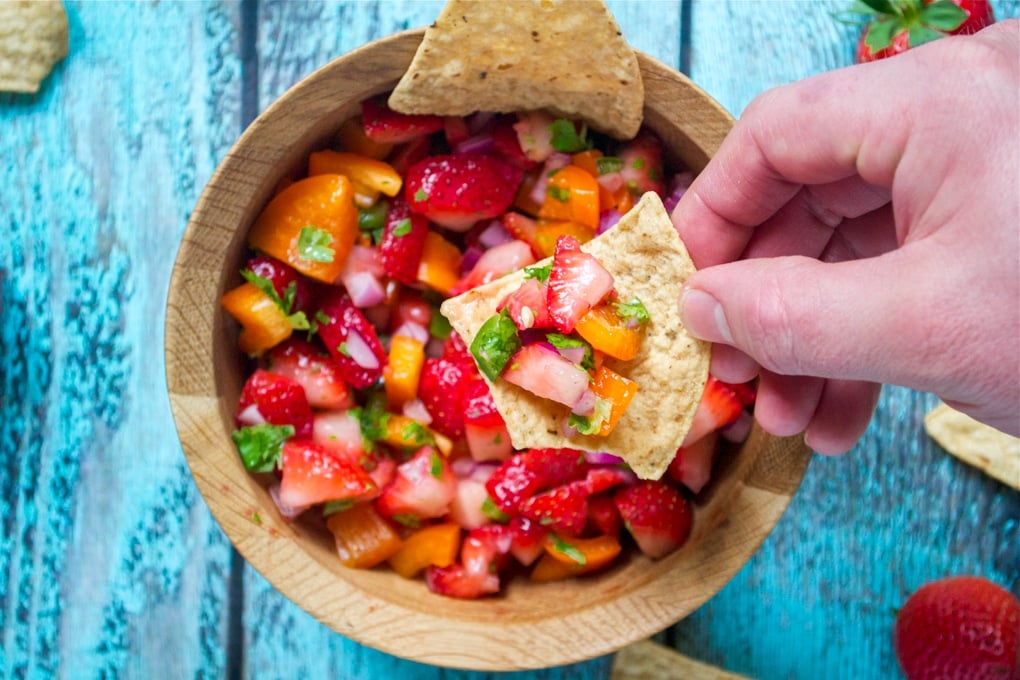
863,227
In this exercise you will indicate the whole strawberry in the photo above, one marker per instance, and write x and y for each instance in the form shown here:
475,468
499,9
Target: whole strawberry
959,627
897,25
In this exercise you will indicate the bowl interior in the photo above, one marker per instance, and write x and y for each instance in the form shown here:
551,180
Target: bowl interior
530,625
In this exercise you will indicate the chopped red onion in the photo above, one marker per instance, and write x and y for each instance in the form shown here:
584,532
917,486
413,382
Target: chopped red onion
470,258
607,219
602,458
415,331
463,467
677,188
251,416
494,234
738,430
359,350
363,259
574,354
611,181
586,404
288,512
479,143
364,288
477,122
415,409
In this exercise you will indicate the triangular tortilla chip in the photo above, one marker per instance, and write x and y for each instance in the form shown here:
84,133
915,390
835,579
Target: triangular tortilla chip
566,56
647,259
977,444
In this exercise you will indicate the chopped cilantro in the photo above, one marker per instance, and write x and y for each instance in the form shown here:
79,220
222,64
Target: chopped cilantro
569,550
436,465
415,432
593,424
607,165
256,518
566,138
421,195
321,317
409,520
495,343
260,445
342,348
373,418
403,227
561,194
638,163
314,244
560,341
331,507
373,217
492,511
539,273
298,320
439,325
633,310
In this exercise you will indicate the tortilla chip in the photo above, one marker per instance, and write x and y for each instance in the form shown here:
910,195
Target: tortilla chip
566,56
647,259
977,444
648,660
33,37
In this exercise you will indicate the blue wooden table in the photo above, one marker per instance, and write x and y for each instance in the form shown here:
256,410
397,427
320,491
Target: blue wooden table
110,564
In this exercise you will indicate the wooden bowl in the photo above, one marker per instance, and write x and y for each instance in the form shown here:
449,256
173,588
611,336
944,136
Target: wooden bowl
530,625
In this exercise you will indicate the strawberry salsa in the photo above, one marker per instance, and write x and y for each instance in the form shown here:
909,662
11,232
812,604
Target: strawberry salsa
365,412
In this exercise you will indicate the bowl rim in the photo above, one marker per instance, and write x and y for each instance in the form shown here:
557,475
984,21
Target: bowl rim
360,608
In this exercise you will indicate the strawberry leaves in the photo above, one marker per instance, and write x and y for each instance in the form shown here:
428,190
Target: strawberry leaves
916,20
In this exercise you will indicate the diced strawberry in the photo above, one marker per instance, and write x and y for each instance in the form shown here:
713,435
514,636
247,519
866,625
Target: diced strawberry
384,125
406,155
692,465
577,282
602,477
484,428
719,407
642,164
456,129
482,555
528,306
656,515
457,190
505,141
403,241
541,370
278,400
747,392
563,509
522,228
528,536
340,432
316,372
466,506
351,341
422,488
603,515
439,388
496,262
534,134
312,474
456,350
283,276
533,471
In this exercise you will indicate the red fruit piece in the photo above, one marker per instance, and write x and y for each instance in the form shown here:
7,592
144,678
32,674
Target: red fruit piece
312,474
605,477
408,154
656,515
577,282
482,555
563,509
692,465
528,536
533,471
282,276
316,372
278,400
528,306
504,139
484,428
642,164
386,126
891,34
351,341
457,190
440,388
603,515
456,351
403,241
422,488
959,627
543,371
496,262
719,407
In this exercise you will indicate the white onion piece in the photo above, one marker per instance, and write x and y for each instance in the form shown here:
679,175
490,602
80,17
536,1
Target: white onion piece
463,467
415,331
364,288
479,143
251,416
415,410
359,351
363,259
288,511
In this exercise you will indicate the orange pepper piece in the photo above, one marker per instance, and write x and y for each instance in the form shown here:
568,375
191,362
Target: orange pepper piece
311,225
615,389
548,231
439,268
263,323
572,194
352,138
603,328
437,545
402,371
566,557
363,537
588,161
363,171
409,433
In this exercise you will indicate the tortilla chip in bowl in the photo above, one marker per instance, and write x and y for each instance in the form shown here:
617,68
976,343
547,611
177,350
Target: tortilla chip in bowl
529,625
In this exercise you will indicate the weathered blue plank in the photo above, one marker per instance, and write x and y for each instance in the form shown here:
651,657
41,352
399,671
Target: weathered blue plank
109,561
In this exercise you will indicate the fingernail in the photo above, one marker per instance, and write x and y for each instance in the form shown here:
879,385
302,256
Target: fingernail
704,317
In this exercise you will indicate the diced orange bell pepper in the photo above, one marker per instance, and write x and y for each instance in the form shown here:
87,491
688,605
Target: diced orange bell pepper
603,328
624,199
572,194
402,371
263,323
587,161
363,537
548,231
352,138
439,268
615,389
363,171
437,545
566,557
311,225
406,432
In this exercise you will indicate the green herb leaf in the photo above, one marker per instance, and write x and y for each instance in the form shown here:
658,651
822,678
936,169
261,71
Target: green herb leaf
942,15
373,217
439,325
591,425
607,165
560,341
314,244
260,446
561,194
322,317
634,310
436,465
537,272
332,507
566,138
409,520
421,195
561,546
415,432
496,342
297,320
373,418
403,227
256,518
492,511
